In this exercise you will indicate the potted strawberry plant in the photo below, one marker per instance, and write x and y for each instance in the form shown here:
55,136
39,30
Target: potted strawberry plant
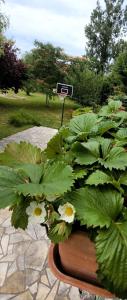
77,186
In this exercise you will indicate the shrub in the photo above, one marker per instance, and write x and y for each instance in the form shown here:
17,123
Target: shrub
23,118
120,70
107,88
87,84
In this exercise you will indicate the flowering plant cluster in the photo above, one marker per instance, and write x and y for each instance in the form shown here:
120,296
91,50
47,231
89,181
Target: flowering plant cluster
80,179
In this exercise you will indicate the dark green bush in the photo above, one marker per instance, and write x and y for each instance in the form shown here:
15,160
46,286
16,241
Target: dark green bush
23,118
87,84
106,89
120,70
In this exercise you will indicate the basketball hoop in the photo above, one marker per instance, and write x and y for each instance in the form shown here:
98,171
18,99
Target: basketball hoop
63,90
62,96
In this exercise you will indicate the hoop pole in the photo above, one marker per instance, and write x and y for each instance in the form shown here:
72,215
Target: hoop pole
62,116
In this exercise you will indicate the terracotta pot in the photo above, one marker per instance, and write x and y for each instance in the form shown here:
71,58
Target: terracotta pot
74,262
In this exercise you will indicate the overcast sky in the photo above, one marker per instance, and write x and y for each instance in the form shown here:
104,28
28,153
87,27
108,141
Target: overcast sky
60,22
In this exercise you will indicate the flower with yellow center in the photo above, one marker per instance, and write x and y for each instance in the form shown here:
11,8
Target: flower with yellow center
67,212
36,212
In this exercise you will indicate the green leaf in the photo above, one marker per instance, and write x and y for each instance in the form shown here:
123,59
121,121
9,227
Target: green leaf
96,207
98,177
114,106
104,111
19,218
54,147
121,134
105,126
116,158
111,109
14,154
121,115
124,214
57,148
9,177
111,253
121,143
68,157
57,179
32,189
8,197
83,123
89,153
92,146
34,172
113,156
123,179
79,173
59,232
71,139
106,145
83,155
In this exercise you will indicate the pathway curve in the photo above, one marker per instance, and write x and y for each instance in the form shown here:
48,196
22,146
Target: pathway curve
38,136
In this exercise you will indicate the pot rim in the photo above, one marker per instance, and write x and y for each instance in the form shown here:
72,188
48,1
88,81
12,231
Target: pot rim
53,262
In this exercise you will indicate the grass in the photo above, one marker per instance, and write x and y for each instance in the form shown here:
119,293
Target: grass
50,116
22,117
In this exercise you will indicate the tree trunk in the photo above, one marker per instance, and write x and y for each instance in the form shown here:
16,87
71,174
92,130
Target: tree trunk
16,90
47,100
28,93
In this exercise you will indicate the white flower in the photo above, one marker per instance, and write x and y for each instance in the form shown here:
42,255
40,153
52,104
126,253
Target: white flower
36,212
67,212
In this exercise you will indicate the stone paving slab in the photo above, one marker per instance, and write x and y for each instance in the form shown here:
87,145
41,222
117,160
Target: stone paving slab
24,272
38,136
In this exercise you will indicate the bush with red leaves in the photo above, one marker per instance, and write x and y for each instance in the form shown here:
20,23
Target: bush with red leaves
12,70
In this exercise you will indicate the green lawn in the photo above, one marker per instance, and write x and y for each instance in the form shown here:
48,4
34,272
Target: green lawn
35,105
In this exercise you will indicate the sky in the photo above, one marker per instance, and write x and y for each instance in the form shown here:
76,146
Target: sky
60,22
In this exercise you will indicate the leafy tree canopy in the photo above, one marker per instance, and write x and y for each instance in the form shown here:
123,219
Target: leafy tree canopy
87,84
3,20
105,31
13,70
3,26
45,62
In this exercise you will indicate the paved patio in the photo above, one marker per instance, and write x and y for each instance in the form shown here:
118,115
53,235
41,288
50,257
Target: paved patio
38,136
24,272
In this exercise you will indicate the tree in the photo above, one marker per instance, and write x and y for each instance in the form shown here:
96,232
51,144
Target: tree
29,86
104,33
3,20
47,62
87,84
12,70
46,66
3,26
119,71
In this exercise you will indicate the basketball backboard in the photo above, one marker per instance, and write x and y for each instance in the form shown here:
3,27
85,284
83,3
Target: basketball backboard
64,89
